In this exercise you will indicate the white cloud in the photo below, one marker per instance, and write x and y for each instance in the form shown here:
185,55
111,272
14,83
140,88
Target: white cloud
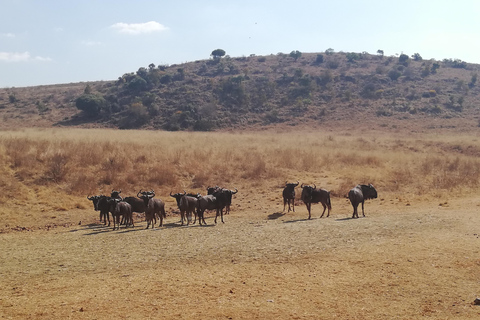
21,57
138,28
91,43
7,35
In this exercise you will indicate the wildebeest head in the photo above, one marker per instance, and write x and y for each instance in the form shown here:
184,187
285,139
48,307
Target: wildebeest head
307,192
291,185
178,196
369,191
211,190
146,195
116,194
94,199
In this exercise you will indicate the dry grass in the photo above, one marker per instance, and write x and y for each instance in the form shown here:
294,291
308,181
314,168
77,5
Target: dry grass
69,164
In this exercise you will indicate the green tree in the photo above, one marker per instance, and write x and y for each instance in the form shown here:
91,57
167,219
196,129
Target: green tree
217,53
319,58
295,54
403,58
91,104
329,51
417,57
380,52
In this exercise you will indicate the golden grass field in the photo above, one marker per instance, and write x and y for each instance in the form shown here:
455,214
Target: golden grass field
415,254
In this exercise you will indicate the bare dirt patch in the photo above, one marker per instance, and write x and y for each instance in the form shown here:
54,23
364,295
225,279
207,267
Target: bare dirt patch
400,262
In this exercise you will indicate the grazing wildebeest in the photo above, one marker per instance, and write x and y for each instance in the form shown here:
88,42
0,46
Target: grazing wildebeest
187,203
100,203
154,208
120,208
289,195
229,194
359,194
313,195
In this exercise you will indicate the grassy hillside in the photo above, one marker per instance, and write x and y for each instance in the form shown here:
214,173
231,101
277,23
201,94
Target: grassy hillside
316,89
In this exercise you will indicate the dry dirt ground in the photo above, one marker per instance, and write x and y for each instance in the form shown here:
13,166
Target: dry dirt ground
402,261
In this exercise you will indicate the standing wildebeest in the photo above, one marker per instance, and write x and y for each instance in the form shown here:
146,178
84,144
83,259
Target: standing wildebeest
359,194
187,205
100,203
313,195
120,208
154,208
229,194
208,202
289,195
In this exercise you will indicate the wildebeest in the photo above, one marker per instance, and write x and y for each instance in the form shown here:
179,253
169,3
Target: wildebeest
208,202
154,207
289,195
187,204
313,195
100,203
229,194
359,194
120,208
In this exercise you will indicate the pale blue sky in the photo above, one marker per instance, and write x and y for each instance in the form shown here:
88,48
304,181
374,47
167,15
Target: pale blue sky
63,41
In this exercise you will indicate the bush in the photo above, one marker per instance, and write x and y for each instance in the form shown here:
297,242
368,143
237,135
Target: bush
91,104
394,74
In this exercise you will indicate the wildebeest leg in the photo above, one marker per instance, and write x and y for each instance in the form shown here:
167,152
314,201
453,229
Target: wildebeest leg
362,209
293,204
324,208
284,204
309,208
355,213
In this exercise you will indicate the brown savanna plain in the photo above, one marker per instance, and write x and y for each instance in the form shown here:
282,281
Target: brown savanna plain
415,254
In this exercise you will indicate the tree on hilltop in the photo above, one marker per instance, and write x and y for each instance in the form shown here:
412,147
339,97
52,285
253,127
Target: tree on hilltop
218,53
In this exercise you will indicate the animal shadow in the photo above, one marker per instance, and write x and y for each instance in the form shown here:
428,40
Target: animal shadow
275,215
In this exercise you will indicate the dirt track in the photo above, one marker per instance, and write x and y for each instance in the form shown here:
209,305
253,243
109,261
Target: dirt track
400,262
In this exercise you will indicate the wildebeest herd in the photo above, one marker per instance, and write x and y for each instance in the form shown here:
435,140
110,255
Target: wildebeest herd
193,206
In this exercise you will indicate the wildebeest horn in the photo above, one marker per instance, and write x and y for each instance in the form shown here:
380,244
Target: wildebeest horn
236,190
139,192
89,198
301,186
184,192
314,186
171,194
298,182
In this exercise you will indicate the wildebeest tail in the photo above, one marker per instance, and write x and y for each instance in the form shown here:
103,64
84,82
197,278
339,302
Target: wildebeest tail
329,204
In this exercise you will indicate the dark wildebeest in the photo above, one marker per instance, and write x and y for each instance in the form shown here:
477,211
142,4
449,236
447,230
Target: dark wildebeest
208,202
229,194
359,194
120,208
94,200
154,208
289,195
187,204
100,203
313,195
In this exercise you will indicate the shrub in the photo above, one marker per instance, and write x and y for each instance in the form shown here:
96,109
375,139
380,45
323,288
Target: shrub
394,74
91,104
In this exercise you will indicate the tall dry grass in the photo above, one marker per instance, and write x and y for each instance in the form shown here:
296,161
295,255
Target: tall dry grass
59,167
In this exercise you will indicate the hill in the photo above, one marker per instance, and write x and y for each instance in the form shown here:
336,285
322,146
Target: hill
312,89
